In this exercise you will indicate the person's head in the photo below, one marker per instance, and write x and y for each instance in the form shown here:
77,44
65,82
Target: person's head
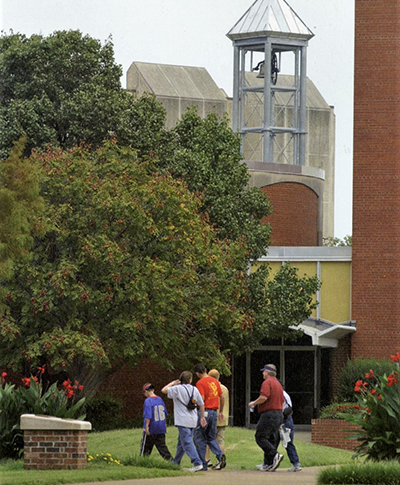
186,377
199,369
269,370
214,373
148,389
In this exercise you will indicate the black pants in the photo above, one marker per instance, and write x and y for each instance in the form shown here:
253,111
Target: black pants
157,440
267,434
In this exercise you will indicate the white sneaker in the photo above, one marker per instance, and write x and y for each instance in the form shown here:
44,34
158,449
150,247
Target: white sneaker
277,461
196,468
260,467
295,468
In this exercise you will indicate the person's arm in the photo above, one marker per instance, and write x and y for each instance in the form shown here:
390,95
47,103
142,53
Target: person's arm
147,431
261,399
164,390
203,421
221,407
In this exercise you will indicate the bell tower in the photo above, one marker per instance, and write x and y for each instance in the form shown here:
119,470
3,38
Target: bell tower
267,36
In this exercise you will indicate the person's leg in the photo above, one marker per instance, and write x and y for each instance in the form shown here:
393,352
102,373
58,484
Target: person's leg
146,446
221,437
291,448
186,438
179,449
200,441
211,433
267,427
159,442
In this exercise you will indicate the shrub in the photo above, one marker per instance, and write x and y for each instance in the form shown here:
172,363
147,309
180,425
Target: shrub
355,370
33,398
336,409
104,412
379,398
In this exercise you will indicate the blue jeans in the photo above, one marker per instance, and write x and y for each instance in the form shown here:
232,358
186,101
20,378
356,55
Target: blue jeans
267,434
185,445
290,448
207,436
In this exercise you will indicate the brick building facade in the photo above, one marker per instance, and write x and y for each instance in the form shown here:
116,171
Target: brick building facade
376,199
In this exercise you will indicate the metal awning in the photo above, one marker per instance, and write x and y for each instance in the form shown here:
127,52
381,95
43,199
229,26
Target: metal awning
324,333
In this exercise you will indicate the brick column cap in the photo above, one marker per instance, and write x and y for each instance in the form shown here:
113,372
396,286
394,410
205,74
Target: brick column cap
40,422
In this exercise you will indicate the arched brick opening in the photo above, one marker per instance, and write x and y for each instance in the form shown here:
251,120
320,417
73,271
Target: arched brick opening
294,221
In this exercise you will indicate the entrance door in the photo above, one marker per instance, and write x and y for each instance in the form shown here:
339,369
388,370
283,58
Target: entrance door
299,380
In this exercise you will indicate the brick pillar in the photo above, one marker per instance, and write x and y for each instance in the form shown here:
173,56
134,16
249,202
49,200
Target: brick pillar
376,200
54,444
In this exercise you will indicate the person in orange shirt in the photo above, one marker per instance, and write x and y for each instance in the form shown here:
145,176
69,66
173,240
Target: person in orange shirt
211,393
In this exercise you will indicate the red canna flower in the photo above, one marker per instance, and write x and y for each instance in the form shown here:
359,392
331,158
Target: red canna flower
396,357
26,381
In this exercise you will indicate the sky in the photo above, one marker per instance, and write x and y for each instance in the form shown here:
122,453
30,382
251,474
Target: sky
193,33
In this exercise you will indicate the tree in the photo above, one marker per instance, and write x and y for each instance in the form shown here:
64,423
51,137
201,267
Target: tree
206,154
127,268
21,206
65,89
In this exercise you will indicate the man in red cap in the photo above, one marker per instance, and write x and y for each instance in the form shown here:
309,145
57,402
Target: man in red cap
154,425
270,405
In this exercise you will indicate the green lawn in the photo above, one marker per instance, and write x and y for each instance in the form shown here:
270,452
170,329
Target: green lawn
241,451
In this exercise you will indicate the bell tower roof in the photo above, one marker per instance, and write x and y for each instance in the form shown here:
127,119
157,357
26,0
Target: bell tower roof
270,18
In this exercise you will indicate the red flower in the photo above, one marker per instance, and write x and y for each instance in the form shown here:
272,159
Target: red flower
370,374
395,358
41,370
4,374
26,381
392,379
80,388
66,383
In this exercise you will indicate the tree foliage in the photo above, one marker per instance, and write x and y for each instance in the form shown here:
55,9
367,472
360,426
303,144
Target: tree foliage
147,249
127,269
206,153
20,205
65,89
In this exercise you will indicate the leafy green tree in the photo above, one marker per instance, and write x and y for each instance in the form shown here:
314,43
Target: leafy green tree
127,268
65,89
206,154
21,206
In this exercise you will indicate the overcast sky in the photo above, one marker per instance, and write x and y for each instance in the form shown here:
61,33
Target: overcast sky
193,33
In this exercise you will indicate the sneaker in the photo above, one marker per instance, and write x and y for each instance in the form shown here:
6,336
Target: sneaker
265,468
295,468
209,464
196,468
221,463
277,461
260,467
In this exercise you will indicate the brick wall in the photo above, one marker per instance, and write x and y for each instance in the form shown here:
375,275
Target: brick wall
294,220
55,449
376,199
340,355
333,433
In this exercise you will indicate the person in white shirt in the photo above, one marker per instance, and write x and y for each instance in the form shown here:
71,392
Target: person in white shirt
181,391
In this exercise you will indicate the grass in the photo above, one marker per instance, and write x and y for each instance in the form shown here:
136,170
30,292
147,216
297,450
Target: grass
387,473
241,450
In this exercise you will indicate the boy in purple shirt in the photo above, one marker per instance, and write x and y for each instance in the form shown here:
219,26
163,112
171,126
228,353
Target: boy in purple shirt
154,425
